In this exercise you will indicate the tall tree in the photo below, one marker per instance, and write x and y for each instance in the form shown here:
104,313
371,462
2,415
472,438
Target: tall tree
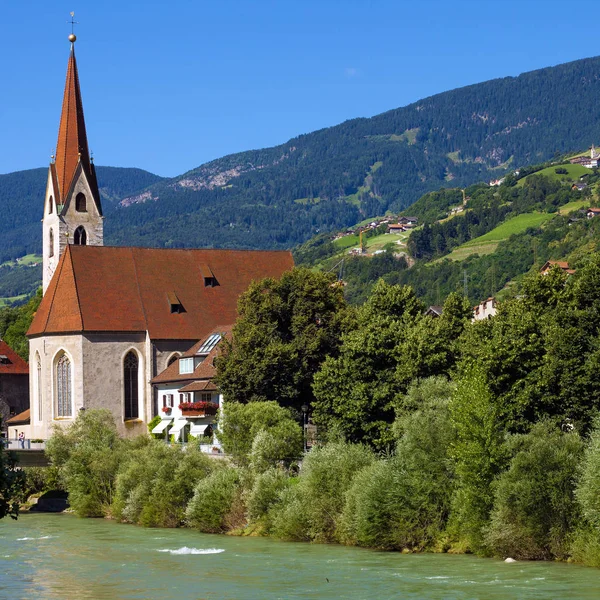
285,330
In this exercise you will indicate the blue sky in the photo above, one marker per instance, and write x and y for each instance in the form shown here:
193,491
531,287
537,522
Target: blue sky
169,85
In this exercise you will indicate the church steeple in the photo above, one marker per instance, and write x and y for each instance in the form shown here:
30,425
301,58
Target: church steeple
72,144
72,209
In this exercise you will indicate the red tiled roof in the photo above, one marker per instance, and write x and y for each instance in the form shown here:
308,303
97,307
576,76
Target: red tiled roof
199,386
16,365
20,419
103,288
561,264
205,370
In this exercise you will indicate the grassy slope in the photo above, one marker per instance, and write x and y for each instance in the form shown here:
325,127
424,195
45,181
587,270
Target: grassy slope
486,244
574,172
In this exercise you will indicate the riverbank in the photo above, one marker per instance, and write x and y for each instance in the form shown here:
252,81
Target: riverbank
108,561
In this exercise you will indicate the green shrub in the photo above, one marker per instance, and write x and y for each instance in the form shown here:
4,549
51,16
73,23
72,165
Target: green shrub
173,486
404,502
239,424
266,492
278,446
157,482
213,500
311,509
588,485
534,507
478,453
152,424
586,545
88,453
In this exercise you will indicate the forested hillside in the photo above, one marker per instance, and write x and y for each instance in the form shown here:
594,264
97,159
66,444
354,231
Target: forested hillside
501,234
281,196
22,199
330,179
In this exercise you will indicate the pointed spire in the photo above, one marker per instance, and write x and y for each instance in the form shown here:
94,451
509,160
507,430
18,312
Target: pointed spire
72,145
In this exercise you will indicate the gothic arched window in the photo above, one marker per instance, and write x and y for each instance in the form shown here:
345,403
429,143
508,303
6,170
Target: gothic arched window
80,202
80,236
172,359
130,372
50,205
38,385
51,244
64,399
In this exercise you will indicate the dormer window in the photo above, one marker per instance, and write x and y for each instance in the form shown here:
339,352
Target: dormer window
175,303
4,360
186,366
209,278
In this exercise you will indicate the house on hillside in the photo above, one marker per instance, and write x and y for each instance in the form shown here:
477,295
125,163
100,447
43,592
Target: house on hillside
413,221
14,384
112,318
592,212
434,311
590,162
187,395
485,310
395,228
560,264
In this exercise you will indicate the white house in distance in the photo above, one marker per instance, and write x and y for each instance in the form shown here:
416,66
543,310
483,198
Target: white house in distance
187,396
485,310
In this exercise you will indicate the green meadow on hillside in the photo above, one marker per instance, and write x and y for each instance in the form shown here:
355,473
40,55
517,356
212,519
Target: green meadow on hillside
574,172
487,243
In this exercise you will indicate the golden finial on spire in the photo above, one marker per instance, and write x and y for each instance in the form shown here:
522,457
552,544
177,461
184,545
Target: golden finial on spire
73,22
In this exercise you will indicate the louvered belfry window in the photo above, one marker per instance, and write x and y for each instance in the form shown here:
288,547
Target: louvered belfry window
63,386
131,367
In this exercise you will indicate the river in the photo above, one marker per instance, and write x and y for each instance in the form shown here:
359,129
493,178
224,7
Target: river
46,556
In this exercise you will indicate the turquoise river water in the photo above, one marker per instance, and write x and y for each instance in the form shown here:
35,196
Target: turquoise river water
60,556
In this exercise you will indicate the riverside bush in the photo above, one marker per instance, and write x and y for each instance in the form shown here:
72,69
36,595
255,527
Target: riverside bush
478,454
241,423
155,486
213,500
310,509
404,502
135,480
534,506
88,453
278,446
173,487
586,545
266,492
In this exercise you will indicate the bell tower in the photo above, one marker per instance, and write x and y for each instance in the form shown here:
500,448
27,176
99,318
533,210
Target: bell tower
72,207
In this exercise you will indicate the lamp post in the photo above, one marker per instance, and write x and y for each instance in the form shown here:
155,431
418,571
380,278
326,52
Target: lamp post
304,409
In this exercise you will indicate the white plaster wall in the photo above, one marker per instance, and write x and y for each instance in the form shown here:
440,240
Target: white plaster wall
48,348
103,356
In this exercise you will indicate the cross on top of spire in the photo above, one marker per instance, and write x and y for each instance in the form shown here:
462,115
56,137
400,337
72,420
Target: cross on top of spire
73,22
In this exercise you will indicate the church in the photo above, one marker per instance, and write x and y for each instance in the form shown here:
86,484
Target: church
112,318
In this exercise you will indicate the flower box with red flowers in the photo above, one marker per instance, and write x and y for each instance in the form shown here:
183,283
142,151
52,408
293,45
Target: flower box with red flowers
198,409
166,410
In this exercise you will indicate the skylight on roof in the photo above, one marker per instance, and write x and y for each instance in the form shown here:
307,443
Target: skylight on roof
209,344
